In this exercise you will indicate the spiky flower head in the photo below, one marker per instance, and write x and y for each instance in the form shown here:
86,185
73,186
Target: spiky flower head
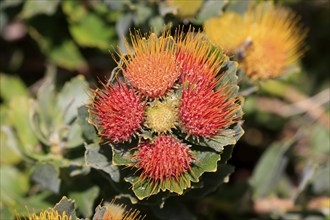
118,112
162,115
150,67
114,211
166,158
267,39
200,61
205,112
49,214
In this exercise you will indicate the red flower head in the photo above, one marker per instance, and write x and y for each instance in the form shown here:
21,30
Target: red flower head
118,111
151,68
162,160
199,60
205,112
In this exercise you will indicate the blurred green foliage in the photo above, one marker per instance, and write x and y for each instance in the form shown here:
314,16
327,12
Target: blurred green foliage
53,51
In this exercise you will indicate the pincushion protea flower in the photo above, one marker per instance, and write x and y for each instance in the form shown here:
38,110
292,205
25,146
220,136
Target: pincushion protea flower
151,67
118,112
175,89
267,39
113,211
164,159
200,62
205,112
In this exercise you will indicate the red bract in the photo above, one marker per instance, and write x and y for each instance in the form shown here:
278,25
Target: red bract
162,160
118,111
204,112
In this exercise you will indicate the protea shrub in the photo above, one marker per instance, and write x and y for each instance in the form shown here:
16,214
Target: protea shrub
169,111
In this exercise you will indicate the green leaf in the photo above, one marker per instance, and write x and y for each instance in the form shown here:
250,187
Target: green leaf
35,7
14,185
47,176
143,12
101,158
89,28
60,49
10,153
67,55
85,200
320,140
66,205
88,130
18,117
92,31
73,95
11,86
320,181
211,181
210,9
157,23
225,138
269,169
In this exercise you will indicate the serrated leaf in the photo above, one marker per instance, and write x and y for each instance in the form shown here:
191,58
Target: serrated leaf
121,155
85,200
47,176
66,205
269,169
35,7
11,86
101,158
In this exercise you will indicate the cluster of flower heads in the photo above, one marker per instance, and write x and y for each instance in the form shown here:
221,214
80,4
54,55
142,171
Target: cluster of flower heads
267,40
170,91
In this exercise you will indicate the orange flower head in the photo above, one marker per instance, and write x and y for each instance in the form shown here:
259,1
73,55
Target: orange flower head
162,160
200,61
113,211
151,67
118,112
205,112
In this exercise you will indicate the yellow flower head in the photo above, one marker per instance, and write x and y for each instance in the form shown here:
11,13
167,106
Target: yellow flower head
163,115
151,67
267,39
49,214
